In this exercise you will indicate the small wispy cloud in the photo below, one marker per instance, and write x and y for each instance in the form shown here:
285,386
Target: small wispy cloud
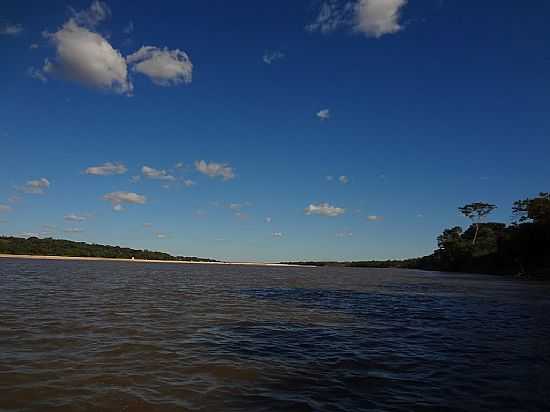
129,28
189,183
161,235
73,230
324,114
344,234
344,180
152,173
324,209
375,218
118,199
268,219
4,208
277,234
36,74
36,187
10,29
107,169
213,169
272,56
34,46
72,217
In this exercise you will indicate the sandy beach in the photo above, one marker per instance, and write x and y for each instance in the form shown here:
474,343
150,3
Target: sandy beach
184,262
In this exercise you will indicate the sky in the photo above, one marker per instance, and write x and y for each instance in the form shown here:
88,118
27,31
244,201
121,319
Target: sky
269,131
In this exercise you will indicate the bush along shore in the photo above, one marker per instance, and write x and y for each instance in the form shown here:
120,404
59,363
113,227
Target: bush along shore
521,248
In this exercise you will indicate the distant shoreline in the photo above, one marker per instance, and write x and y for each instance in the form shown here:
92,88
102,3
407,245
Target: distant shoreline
185,262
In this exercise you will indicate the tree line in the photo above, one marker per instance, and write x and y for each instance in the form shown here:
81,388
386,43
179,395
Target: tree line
58,247
520,248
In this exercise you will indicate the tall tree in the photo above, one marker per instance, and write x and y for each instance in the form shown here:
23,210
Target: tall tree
476,212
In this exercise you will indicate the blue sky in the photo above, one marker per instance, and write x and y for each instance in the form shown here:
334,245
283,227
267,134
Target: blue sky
422,105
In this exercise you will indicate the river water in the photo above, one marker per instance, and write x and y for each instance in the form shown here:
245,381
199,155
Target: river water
116,336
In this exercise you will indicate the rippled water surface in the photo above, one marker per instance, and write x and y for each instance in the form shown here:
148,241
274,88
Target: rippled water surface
89,336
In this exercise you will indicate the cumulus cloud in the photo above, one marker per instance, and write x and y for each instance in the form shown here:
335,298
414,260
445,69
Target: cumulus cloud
374,18
118,199
151,173
37,74
324,114
36,187
10,29
272,56
88,58
375,218
4,208
72,217
106,169
324,209
164,67
215,169
343,179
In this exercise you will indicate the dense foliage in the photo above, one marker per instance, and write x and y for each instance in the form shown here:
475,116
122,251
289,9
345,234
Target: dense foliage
58,247
522,248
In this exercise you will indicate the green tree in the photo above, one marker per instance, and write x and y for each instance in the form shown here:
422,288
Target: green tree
476,212
536,210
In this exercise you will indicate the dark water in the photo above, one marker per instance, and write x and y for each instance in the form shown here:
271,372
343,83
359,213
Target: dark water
87,336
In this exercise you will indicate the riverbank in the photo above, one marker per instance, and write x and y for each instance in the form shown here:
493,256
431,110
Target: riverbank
184,262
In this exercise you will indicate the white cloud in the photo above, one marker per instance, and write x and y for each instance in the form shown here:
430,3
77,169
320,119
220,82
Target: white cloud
164,67
277,234
119,198
152,173
374,18
106,169
268,220
10,29
72,217
36,187
375,218
324,209
272,56
189,183
161,236
4,208
88,58
330,178
324,114
34,46
343,179
215,169
91,17
37,74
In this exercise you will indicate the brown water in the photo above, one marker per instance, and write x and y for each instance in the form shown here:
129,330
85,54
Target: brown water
89,336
